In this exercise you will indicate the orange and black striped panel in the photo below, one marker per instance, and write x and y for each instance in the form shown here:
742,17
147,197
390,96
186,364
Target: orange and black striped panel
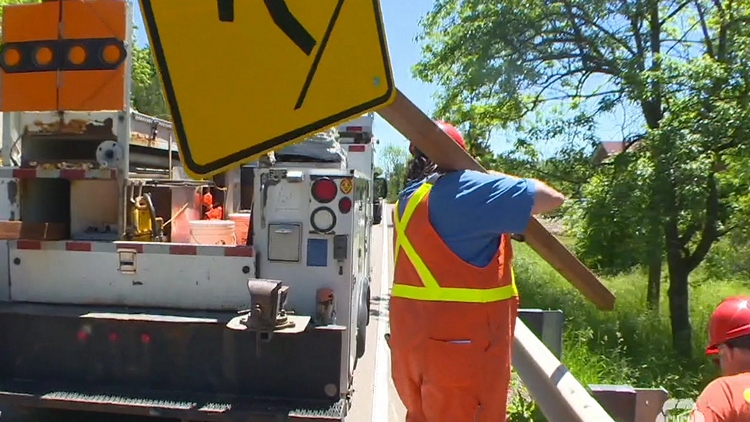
82,70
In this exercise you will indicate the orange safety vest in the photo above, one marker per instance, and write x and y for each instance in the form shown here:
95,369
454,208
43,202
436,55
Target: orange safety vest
427,270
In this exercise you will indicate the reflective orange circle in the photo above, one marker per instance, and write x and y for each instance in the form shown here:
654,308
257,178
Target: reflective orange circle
43,56
11,57
77,55
111,54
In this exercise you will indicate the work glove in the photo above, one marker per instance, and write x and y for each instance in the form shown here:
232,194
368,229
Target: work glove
518,237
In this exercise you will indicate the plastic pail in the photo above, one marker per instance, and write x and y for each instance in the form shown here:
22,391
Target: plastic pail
241,226
212,232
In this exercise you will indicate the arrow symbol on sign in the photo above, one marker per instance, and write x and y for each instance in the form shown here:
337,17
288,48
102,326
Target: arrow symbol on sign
226,10
286,21
293,29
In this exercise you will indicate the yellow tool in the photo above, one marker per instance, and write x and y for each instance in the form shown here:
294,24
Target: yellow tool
146,226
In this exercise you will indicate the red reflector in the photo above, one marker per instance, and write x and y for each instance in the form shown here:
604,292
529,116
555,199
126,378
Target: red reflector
353,129
324,190
356,148
82,335
145,338
113,337
345,205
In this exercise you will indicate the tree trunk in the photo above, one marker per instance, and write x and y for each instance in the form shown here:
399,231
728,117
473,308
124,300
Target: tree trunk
654,282
679,309
655,251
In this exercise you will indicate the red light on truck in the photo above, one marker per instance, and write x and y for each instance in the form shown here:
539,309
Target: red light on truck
82,335
353,129
324,190
345,205
145,338
113,337
356,148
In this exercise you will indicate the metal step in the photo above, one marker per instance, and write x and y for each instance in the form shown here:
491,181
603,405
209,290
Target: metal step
183,406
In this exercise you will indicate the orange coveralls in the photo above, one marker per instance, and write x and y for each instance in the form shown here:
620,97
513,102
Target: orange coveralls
451,324
725,399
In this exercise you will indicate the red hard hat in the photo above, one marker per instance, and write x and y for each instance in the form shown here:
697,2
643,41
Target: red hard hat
450,130
730,320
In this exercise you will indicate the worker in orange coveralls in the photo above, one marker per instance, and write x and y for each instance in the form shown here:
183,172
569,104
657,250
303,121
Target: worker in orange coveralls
454,301
727,398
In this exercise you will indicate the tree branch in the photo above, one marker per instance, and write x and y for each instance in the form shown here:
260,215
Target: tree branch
674,13
704,28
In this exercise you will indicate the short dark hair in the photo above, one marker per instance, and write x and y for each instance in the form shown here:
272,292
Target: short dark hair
420,167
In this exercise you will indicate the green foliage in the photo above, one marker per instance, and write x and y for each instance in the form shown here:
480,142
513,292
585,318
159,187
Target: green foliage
147,94
394,161
609,223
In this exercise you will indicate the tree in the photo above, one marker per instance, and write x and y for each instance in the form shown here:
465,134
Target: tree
394,160
147,95
679,66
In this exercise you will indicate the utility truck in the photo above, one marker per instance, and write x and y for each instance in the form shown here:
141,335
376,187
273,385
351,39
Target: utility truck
122,291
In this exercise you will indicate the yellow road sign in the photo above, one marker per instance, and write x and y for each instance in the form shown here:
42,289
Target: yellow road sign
346,186
243,78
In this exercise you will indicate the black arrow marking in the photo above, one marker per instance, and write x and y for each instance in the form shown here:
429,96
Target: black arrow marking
226,10
318,54
284,19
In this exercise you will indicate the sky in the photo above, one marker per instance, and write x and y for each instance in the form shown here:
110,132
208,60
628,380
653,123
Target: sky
402,26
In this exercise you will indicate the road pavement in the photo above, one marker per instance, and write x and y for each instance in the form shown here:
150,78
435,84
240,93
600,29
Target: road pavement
374,399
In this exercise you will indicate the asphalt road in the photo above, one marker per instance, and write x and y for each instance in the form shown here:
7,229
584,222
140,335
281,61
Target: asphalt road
374,399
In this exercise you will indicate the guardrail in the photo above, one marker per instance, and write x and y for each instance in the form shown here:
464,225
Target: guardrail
537,349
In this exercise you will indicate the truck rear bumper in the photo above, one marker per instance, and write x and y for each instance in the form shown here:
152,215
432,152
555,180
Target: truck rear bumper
170,363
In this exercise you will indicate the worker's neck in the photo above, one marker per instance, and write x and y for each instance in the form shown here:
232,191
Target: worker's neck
739,365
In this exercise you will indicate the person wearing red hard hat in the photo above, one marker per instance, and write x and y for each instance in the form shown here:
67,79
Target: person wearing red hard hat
727,399
454,300
447,128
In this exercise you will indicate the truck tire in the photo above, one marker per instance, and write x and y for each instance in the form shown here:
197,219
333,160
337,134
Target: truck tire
361,341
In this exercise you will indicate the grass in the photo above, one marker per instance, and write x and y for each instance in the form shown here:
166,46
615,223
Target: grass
629,345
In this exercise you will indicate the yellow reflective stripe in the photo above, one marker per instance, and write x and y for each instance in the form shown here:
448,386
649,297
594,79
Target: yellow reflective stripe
432,290
402,243
453,294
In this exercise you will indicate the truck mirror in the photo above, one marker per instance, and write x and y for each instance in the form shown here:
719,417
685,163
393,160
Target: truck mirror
381,187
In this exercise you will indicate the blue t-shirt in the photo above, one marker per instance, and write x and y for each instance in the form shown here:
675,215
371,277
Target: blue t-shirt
470,210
